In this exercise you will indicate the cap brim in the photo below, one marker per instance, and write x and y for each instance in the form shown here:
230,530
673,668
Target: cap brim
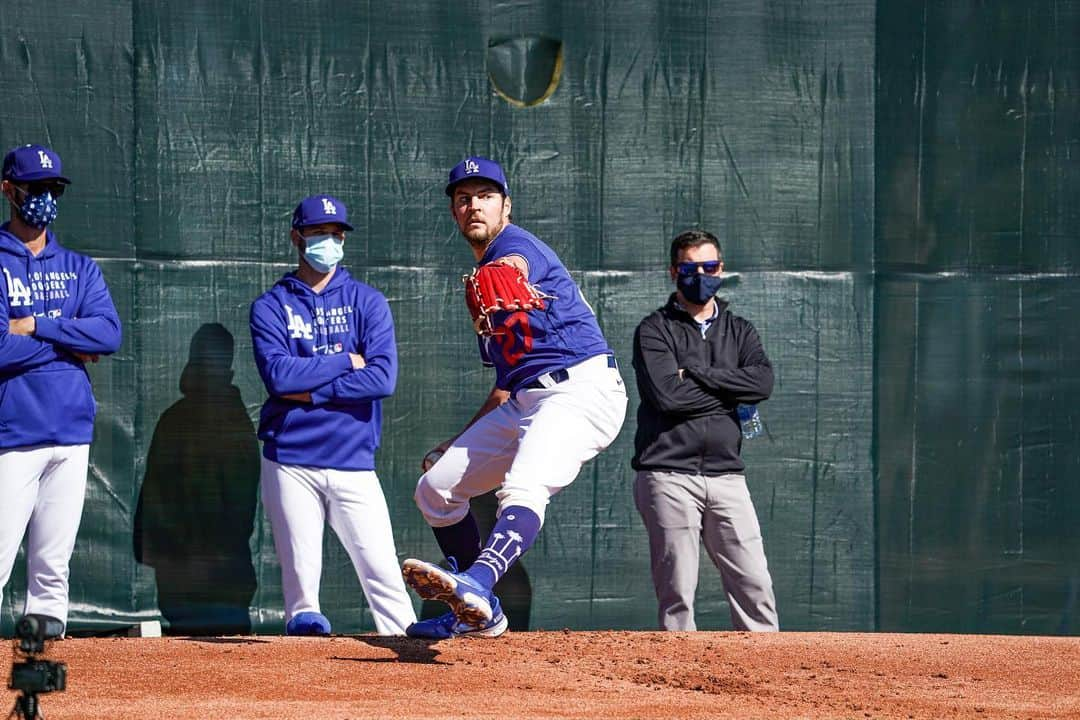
450,187
345,225
34,177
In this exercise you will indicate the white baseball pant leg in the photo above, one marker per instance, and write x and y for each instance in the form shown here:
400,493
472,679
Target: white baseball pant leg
530,447
681,510
45,487
298,501
561,428
474,464
361,520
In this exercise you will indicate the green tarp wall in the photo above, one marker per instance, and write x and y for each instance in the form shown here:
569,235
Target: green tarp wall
896,183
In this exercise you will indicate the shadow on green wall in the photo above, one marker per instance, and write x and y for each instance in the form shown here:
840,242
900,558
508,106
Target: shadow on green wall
197,505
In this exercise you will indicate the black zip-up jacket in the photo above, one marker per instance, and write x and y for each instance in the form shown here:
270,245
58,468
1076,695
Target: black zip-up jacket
691,425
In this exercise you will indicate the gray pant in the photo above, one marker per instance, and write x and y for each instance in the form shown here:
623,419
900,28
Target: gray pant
680,511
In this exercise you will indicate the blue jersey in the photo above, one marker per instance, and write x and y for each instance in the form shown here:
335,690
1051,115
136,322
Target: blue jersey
45,393
525,345
302,340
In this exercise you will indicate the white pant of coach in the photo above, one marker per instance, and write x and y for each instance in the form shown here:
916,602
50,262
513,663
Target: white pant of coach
43,489
299,501
680,511
530,447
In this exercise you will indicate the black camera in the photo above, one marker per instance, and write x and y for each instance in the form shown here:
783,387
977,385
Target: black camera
38,676
34,676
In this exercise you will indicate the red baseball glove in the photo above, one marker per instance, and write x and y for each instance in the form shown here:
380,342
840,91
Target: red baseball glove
498,286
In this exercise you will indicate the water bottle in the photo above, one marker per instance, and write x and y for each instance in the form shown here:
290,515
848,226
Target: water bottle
750,420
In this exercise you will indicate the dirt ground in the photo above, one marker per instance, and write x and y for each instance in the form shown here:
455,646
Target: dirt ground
569,674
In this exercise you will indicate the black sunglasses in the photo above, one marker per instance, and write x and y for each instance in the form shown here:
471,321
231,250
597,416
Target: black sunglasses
691,268
44,186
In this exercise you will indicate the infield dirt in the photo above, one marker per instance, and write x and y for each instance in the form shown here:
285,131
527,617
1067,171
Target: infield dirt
569,674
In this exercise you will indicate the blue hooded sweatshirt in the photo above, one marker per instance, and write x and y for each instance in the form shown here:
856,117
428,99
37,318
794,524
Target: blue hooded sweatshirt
302,340
45,393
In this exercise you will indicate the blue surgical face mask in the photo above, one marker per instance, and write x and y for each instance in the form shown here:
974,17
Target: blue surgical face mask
38,210
699,287
324,252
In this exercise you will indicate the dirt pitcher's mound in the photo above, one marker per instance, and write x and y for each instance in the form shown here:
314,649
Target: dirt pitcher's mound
570,674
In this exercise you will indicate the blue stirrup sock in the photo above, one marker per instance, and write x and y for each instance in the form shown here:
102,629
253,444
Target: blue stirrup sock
514,533
459,542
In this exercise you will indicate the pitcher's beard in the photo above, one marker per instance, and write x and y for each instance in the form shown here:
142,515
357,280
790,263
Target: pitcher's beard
479,239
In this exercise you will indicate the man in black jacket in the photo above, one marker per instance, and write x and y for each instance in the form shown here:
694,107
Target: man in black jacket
696,361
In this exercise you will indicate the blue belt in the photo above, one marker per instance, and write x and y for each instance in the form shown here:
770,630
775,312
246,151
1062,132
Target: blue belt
562,375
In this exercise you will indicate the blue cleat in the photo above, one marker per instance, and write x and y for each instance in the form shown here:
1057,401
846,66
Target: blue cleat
447,626
308,623
472,604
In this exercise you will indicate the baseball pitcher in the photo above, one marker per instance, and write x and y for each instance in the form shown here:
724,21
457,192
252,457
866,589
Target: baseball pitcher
558,400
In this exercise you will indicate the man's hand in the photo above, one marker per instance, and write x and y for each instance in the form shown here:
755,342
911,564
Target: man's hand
434,454
86,357
304,397
22,326
357,361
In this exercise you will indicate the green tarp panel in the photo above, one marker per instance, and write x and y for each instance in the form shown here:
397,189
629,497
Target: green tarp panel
192,129
978,401
67,82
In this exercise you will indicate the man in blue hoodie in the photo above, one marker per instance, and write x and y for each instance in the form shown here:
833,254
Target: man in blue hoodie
56,315
324,345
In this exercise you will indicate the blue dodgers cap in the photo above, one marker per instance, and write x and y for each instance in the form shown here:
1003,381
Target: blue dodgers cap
28,163
477,167
319,209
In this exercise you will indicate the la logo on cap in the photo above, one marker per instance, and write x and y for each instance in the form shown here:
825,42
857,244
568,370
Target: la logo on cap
45,161
328,207
471,167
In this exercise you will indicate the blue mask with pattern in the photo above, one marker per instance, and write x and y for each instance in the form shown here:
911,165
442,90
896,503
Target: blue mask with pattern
38,210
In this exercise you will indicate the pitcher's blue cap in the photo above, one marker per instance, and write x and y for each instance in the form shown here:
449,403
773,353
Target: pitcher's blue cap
319,209
477,167
28,163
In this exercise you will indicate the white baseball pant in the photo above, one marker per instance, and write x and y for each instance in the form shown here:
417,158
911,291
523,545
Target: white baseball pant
532,446
299,500
680,511
44,487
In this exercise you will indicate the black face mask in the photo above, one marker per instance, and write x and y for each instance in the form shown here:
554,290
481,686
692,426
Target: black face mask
699,287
